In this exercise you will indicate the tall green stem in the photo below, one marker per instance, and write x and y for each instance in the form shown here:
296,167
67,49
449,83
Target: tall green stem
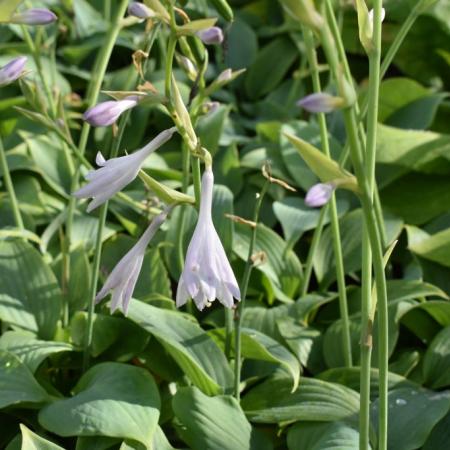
339,261
10,187
244,286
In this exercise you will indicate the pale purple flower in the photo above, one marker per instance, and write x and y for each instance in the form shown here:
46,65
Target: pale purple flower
320,103
140,10
106,113
319,194
114,174
122,280
225,76
212,35
207,273
34,16
12,71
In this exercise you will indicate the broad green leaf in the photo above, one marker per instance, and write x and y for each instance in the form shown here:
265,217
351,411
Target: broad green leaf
29,293
414,410
242,45
436,364
322,436
87,19
213,422
210,128
321,165
84,231
17,384
7,8
32,441
97,442
269,67
110,399
194,351
439,437
434,247
314,400
29,350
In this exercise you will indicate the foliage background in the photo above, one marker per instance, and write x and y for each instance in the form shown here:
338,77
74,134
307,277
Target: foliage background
161,375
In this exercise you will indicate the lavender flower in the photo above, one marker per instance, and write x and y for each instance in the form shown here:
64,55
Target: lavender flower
140,10
122,280
116,173
207,274
106,113
34,16
12,71
320,103
212,35
319,194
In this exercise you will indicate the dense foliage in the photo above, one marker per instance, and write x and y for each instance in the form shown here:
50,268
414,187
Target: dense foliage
162,377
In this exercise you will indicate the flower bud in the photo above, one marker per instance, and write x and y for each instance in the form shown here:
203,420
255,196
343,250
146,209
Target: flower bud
34,16
320,103
140,10
319,194
106,113
188,66
12,71
225,76
210,107
212,35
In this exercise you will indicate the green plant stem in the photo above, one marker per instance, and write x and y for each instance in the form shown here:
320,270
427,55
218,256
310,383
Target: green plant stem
244,286
10,188
339,261
351,125
93,95
312,250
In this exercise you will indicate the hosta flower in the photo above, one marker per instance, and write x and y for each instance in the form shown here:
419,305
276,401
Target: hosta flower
12,71
207,273
319,194
371,13
320,103
140,10
122,280
34,16
212,35
114,174
106,113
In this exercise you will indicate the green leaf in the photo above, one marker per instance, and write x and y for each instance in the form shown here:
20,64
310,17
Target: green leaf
210,128
414,410
87,20
322,436
7,8
242,45
193,26
314,400
31,441
436,363
270,67
434,247
110,399
29,350
17,384
30,297
194,351
213,422
439,437
321,165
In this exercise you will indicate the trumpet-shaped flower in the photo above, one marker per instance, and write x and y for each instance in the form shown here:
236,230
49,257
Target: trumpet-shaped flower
320,103
140,10
207,273
106,113
34,16
12,71
212,35
114,174
122,280
319,194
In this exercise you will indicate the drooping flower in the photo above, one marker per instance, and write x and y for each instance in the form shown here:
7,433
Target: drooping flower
114,174
12,71
140,10
207,273
320,102
34,16
212,35
106,113
122,280
319,194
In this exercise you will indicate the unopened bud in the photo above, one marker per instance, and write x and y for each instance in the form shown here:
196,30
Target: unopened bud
225,76
12,71
140,10
212,35
320,103
319,194
34,16
106,113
